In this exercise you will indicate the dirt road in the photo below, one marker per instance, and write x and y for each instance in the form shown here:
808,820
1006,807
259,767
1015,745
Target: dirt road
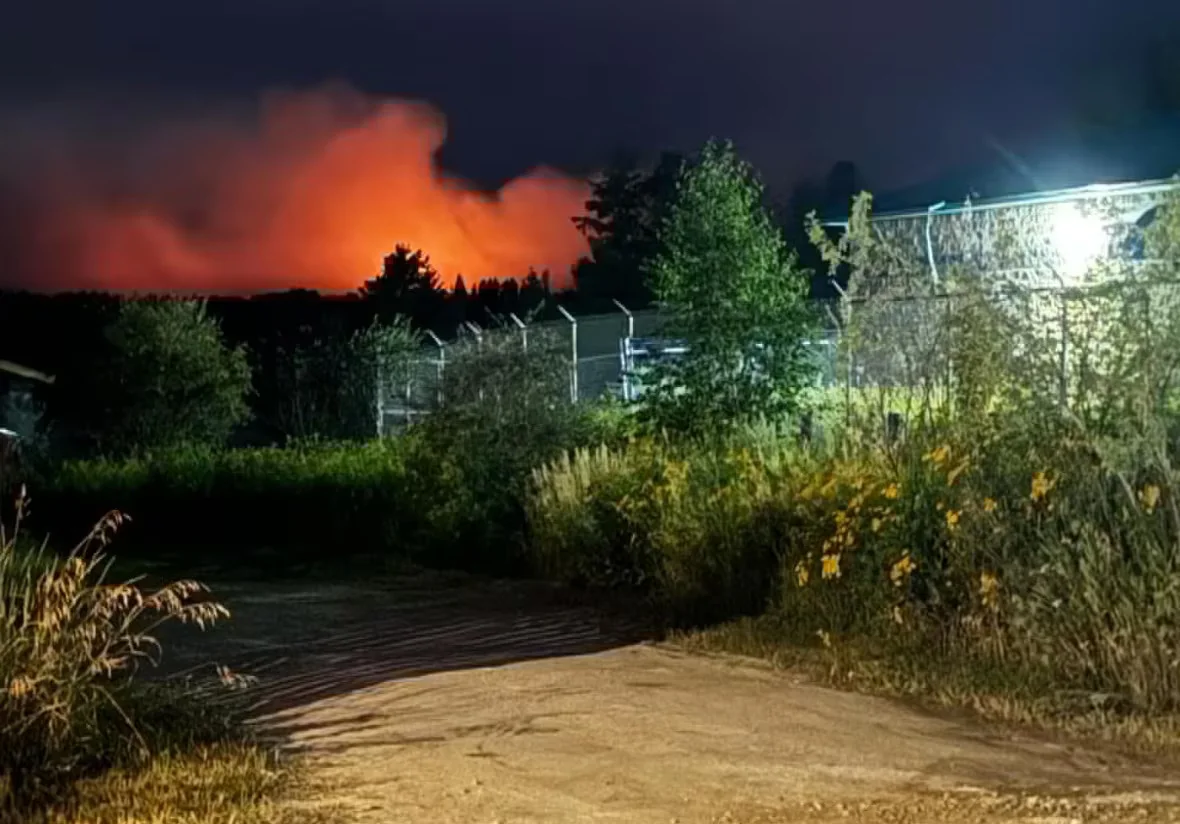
435,711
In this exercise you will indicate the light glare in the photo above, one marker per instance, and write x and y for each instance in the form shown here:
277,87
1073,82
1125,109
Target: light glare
1079,240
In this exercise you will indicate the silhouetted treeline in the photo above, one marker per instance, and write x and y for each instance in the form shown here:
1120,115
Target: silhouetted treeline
63,334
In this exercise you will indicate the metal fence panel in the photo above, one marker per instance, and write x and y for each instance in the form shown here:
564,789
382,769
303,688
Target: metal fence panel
594,344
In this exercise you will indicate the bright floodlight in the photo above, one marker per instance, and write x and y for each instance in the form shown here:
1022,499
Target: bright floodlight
1079,240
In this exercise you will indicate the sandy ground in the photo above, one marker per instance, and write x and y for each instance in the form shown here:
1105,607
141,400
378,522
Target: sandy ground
428,723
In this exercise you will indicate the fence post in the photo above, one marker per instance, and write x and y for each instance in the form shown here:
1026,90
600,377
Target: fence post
573,353
524,331
442,363
1063,388
624,350
630,317
846,305
380,397
409,414
475,330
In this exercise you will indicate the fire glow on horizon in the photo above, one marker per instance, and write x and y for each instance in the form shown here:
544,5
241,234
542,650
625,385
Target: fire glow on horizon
313,194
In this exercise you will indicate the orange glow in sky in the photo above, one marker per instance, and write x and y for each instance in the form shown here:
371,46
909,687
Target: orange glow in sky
313,194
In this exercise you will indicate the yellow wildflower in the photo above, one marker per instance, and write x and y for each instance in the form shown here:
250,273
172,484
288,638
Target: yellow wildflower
902,569
891,492
989,589
20,686
831,565
1041,486
939,456
1149,497
952,518
802,574
875,525
989,505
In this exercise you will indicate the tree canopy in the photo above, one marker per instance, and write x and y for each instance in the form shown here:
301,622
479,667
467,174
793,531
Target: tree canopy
168,378
730,288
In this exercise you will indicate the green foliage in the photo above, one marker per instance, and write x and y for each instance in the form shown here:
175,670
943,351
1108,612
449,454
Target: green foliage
1024,521
449,493
282,507
328,388
1041,421
690,524
503,410
167,379
1053,566
731,289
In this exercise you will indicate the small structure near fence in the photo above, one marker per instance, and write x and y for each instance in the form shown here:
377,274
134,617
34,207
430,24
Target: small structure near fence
17,414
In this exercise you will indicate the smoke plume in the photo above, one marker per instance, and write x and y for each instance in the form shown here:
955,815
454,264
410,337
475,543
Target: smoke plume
310,189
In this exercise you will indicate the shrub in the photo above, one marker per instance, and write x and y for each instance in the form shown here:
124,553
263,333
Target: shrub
1046,562
503,411
167,378
579,530
69,644
328,387
728,286
311,501
1027,526
695,525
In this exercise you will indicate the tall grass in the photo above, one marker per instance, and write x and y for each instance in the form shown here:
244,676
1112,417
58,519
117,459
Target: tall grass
69,645
693,525
1051,565
313,501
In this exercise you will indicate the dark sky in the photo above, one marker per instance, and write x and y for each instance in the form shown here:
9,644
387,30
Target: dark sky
904,88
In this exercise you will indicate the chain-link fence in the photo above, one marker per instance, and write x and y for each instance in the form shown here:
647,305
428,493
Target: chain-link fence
596,347
1062,343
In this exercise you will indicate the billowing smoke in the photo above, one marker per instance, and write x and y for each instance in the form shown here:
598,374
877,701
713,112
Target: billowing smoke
311,189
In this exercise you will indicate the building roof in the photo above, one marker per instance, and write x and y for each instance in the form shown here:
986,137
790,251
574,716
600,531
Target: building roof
1114,161
1093,191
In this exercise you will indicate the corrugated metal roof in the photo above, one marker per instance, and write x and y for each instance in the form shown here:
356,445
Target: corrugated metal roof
1091,192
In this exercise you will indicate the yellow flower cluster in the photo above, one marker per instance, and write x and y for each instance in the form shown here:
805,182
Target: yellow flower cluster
802,573
1042,485
902,569
989,590
1149,498
831,568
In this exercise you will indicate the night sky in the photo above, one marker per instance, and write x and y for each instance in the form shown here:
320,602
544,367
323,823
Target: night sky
905,89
